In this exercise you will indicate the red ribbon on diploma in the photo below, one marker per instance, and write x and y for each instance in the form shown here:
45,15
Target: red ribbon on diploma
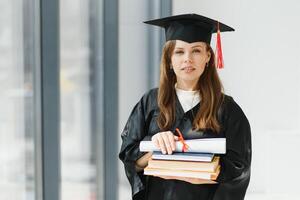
181,139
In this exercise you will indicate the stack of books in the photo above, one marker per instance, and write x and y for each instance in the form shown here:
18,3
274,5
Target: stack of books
184,165
196,163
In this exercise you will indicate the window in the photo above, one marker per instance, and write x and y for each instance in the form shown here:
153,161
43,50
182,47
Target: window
78,168
17,63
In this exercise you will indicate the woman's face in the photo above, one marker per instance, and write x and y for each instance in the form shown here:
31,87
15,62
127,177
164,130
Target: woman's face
189,61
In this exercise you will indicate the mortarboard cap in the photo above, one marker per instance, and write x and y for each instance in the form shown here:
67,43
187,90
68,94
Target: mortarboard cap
189,27
192,28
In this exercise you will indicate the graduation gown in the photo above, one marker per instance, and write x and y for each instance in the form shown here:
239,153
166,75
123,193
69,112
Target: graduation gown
234,176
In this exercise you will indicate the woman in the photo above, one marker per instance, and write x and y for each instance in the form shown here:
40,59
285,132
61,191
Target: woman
190,98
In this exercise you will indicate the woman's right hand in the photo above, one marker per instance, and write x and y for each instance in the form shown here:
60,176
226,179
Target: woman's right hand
165,141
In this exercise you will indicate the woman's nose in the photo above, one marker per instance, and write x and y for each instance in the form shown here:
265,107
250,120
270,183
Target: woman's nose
187,57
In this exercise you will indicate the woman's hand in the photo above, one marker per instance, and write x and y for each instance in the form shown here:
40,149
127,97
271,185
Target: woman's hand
189,180
142,162
165,141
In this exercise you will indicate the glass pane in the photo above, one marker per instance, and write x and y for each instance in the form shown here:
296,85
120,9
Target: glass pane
77,166
16,100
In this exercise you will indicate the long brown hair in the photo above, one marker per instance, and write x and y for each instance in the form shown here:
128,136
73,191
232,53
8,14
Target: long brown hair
210,89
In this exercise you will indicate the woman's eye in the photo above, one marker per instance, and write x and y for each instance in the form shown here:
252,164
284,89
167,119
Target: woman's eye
178,52
196,51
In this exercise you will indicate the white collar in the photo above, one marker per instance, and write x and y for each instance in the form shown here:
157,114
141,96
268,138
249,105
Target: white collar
187,99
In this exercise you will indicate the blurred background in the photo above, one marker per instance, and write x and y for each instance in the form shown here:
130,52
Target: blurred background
72,70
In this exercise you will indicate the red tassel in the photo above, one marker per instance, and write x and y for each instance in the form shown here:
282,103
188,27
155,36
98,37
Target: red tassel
219,54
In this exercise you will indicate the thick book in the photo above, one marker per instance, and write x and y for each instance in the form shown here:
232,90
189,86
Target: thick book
185,165
182,173
205,145
203,157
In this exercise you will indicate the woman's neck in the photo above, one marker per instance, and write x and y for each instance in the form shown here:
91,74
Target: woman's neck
188,86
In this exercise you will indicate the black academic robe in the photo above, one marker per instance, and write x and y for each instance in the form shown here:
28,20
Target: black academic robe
234,176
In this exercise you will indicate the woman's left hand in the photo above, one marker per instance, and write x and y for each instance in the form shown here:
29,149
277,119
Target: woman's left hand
189,180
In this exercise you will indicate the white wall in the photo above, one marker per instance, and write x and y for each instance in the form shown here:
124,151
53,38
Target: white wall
132,56
261,73
132,68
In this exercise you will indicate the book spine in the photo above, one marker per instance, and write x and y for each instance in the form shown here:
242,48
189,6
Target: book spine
205,176
170,167
158,157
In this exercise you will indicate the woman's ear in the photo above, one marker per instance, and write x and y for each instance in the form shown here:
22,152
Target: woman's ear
208,56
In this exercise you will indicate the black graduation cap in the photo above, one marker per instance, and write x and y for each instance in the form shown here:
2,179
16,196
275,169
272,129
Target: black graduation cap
189,27
192,28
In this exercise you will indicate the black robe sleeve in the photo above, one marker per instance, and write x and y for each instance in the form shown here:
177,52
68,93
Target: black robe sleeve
133,133
235,164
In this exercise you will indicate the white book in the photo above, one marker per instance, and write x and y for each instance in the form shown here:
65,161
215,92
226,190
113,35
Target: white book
203,157
205,145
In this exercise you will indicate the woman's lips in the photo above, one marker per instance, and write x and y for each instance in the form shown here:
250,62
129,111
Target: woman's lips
188,69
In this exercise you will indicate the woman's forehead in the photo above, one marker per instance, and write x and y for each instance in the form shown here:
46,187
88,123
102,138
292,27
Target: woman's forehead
183,44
